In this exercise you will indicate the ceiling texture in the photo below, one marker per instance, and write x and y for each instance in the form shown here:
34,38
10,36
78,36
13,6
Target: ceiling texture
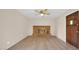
53,13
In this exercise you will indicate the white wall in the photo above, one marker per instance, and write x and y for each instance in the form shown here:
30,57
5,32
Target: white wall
13,28
60,24
41,21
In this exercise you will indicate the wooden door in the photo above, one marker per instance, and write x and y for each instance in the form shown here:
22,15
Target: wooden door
71,34
72,26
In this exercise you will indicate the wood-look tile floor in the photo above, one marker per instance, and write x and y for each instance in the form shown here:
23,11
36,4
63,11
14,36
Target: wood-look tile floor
42,43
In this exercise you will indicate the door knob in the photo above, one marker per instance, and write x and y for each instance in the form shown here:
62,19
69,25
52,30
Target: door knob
77,24
77,31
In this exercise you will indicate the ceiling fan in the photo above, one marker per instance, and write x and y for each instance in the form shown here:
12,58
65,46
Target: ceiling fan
42,12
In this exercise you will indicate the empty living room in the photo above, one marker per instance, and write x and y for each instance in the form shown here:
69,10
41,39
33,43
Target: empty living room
39,29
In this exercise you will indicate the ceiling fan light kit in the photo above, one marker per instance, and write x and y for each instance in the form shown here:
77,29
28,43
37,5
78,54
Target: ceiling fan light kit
42,12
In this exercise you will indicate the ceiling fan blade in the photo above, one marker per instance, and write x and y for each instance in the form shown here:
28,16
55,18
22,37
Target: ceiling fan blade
46,9
37,11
